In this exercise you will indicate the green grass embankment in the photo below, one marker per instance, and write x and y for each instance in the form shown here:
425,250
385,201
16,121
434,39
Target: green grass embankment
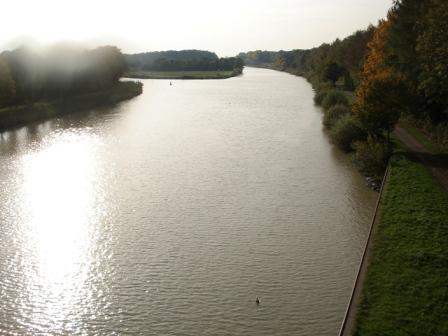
20,115
406,291
182,74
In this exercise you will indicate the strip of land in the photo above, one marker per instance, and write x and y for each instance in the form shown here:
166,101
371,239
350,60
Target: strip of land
181,74
20,115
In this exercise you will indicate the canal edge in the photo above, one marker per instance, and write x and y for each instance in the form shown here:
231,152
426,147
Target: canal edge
349,320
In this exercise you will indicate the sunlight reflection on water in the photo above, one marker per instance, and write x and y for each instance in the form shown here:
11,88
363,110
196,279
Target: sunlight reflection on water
62,206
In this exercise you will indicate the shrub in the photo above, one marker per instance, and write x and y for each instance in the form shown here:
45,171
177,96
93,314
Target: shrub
334,97
319,97
349,84
436,132
333,114
441,134
323,86
372,155
345,132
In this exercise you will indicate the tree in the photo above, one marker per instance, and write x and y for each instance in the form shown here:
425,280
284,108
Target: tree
432,54
381,95
380,101
58,71
332,72
402,35
7,85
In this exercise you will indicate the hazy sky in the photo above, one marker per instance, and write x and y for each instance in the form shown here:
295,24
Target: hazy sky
226,26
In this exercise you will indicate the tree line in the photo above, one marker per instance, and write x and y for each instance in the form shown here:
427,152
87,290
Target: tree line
405,74
398,68
62,70
183,60
259,57
203,64
140,60
341,59
407,64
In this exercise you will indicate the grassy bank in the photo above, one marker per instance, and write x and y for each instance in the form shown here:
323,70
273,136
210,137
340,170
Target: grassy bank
20,115
182,74
406,288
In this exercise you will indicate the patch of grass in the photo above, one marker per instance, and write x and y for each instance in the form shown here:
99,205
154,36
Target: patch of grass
406,291
181,74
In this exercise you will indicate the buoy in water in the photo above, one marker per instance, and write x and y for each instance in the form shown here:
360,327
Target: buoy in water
257,300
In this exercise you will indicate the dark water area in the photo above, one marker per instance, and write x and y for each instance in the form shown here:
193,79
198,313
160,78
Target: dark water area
170,213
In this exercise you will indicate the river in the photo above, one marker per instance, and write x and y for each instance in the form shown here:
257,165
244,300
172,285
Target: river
170,213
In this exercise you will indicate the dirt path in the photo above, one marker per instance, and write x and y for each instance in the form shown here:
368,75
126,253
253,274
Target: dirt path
436,164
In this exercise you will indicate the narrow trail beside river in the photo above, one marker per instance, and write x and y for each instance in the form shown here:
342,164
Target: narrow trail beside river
436,164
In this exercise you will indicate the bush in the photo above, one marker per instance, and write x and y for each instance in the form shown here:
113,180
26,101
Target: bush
345,132
334,97
372,156
436,132
440,135
322,86
334,114
319,97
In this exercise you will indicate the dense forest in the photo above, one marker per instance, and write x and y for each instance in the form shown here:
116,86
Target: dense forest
398,69
182,60
59,71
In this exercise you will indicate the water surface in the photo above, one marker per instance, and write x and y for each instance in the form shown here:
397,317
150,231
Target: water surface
170,213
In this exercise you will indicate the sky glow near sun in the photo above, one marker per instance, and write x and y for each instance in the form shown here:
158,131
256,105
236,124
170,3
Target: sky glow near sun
225,27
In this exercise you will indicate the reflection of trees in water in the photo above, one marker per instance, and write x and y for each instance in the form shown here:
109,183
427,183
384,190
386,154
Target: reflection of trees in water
14,140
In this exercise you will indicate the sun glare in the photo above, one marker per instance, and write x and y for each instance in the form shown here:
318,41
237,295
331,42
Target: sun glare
59,183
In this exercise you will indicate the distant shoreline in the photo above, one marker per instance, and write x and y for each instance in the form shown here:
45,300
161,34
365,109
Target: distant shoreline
20,115
182,74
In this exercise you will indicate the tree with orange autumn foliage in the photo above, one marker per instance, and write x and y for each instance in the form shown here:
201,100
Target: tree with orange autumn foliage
380,96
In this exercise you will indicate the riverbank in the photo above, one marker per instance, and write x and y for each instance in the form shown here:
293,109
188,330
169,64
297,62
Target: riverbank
404,292
182,74
16,116
349,320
